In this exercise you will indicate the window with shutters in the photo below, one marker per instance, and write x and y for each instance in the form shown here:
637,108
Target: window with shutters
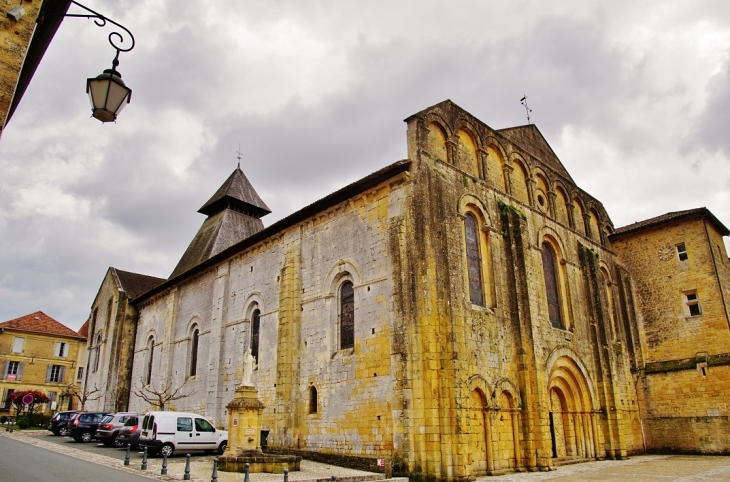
51,404
61,349
194,351
255,328
6,403
473,260
18,344
552,287
55,374
347,315
13,371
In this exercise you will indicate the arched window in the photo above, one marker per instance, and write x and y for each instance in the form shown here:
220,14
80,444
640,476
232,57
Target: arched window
194,351
255,327
473,260
347,315
552,289
151,348
312,399
97,352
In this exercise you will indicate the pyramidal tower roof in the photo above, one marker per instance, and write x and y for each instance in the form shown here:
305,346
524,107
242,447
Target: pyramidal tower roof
236,190
233,215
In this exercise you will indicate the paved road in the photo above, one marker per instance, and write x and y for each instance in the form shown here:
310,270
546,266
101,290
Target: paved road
23,462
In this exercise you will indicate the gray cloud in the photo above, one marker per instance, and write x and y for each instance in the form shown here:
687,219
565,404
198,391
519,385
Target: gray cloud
315,94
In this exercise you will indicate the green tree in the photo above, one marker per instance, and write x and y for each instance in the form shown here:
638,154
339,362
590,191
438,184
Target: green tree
39,398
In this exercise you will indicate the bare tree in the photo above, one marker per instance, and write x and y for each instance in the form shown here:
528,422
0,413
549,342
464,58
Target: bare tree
85,394
159,397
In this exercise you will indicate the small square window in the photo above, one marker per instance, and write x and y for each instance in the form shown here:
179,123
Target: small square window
682,252
693,303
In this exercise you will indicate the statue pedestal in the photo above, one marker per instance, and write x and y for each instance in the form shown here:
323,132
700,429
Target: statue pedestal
244,421
244,435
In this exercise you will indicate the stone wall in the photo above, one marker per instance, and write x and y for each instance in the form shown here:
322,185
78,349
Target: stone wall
684,386
14,40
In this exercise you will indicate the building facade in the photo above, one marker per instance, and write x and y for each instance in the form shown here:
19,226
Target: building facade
111,332
682,277
459,313
39,353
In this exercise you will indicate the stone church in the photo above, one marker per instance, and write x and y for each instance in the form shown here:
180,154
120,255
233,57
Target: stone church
458,313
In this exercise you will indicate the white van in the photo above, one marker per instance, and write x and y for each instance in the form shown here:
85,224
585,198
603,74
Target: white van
166,432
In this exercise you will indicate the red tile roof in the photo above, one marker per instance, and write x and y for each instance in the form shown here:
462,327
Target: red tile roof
39,322
84,330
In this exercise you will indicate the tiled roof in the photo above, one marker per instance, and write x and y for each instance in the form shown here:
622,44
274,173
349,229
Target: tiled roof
236,187
39,322
135,284
84,330
671,217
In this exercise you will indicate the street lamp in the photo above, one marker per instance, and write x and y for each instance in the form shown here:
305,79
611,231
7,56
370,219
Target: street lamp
107,92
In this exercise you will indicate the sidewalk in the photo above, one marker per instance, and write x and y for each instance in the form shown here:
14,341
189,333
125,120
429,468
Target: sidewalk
659,468
639,468
201,468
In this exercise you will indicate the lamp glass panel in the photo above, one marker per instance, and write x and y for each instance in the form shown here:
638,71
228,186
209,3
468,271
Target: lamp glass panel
98,92
117,97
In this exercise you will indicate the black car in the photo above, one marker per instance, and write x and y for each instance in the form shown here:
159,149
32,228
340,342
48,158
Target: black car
59,422
129,434
84,425
111,425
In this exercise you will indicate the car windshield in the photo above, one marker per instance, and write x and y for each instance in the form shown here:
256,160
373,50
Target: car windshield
107,419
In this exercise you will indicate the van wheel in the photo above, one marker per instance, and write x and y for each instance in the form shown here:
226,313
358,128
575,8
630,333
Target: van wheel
167,449
222,447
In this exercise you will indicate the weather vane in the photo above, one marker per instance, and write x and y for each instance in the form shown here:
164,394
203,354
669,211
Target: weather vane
523,101
238,152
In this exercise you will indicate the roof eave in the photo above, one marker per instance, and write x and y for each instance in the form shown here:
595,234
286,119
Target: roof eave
333,199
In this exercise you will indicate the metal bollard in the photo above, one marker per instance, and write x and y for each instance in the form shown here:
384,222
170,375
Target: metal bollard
187,468
334,478
214,477
163,471
144,459
126,457
286,475
246,471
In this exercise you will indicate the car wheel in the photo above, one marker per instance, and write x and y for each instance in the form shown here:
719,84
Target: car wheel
86,437
222,447
167,449
118,443
63,431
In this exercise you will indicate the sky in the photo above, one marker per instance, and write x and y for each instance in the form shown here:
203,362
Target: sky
634,98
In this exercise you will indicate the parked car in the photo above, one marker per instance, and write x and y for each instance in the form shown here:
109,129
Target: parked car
165,432
129,434
58,424
83,426
111,425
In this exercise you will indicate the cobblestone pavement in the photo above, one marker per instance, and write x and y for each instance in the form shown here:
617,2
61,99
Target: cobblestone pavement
651,468
200,467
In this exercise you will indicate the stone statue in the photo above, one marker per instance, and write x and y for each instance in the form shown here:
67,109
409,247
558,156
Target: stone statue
249,365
